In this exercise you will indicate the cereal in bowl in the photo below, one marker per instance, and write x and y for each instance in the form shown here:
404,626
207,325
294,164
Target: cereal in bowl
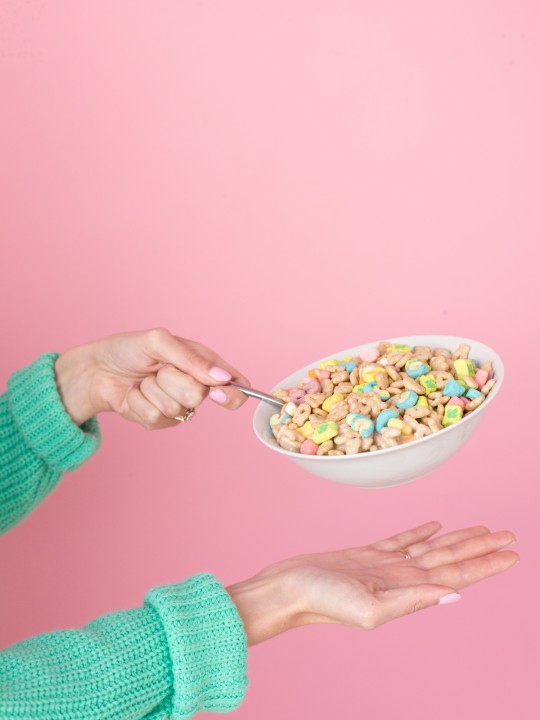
384,397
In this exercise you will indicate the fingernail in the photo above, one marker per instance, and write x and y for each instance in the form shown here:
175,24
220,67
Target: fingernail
220,374
218,395
451,598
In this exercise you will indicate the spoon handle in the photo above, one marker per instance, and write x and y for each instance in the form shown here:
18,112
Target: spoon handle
258,394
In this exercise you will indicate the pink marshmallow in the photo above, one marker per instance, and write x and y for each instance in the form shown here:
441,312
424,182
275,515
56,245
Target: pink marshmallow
323,374
308,447
481,378
457,401
369,355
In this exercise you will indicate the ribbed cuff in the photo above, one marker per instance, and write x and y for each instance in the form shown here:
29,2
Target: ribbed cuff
207,645
50,432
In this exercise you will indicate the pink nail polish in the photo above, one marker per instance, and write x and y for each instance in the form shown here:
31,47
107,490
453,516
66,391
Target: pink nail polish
220,374
450,598
218,395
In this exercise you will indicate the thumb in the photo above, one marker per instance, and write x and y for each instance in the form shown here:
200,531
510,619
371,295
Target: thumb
404,601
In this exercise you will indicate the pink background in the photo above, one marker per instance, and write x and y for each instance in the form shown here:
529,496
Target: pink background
279,180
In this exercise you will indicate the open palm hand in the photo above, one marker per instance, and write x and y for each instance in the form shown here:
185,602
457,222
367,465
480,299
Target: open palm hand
368,586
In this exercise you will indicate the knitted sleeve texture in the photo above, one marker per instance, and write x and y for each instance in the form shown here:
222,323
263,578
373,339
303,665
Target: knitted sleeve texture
183,652
38,440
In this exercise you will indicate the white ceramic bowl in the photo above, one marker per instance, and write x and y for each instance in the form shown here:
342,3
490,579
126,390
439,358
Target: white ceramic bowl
397,465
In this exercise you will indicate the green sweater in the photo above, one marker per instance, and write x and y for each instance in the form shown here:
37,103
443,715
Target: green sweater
182,652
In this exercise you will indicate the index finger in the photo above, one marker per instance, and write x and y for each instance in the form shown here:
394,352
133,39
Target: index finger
192,358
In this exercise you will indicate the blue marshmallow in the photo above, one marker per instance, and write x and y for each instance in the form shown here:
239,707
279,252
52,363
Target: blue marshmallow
472,394
453,389
415,368
407,399
384,418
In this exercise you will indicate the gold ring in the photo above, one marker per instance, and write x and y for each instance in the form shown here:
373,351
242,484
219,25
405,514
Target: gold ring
190,412
406,554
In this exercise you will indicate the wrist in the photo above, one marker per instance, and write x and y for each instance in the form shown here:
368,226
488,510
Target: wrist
76,373
267,606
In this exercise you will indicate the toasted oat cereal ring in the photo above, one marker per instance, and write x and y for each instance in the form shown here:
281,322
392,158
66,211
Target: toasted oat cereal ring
473,404
312,386
297,396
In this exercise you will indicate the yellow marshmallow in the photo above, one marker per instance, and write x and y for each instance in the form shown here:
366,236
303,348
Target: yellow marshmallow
403,427
326,363
464,368
336,397
452,414
370,373
428,382
325,431
306,430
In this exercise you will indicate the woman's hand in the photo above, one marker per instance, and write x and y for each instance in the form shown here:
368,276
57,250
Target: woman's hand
368,586
149,377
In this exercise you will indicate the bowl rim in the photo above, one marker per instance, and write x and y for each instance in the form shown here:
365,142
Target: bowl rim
409,446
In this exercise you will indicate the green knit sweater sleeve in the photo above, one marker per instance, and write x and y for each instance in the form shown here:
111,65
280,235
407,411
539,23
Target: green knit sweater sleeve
183,652
38,440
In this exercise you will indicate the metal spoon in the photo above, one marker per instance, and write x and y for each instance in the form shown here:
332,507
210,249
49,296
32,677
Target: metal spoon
258,394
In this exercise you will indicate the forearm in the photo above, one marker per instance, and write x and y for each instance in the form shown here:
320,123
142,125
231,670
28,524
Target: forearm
182,652
38,440
117,666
